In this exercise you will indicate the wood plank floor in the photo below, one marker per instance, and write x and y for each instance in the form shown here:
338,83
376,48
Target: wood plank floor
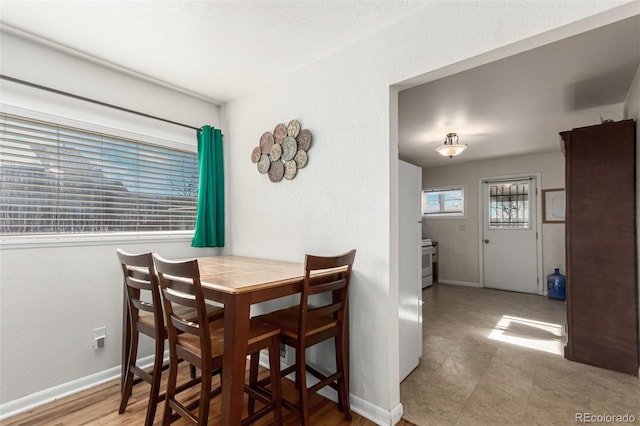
99,406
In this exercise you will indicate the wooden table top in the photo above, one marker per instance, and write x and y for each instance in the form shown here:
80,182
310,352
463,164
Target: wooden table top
239,274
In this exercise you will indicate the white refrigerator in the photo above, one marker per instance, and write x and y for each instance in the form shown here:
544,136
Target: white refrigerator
410,255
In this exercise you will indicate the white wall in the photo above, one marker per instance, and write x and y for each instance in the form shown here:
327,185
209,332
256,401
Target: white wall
458,237
346,196
342,198
632,102
53,295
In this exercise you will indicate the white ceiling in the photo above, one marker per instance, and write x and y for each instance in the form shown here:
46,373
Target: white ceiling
216,49
519,104
220,50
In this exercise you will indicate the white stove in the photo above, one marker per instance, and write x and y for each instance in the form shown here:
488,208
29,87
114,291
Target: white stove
428,250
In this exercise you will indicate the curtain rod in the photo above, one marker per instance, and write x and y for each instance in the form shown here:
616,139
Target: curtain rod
82,98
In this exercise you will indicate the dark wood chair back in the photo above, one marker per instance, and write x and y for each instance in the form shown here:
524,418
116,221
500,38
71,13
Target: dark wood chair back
182,289
140,279
329,296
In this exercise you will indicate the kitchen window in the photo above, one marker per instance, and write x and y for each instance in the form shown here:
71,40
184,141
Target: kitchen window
56,179
443,202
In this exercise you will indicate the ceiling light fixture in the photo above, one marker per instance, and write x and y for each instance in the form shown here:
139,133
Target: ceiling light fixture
451,149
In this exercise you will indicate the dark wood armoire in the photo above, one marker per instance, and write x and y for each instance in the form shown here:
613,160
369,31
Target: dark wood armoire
602,288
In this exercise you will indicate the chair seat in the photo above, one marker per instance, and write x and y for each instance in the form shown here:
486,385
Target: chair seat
258,331
288,320
213,312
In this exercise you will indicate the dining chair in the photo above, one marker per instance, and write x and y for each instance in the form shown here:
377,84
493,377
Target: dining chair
145,316
202,344
306,324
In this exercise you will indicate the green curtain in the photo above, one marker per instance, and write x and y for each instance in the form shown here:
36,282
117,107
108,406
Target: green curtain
209,227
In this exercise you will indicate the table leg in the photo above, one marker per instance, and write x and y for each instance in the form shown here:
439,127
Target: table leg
126,338
236,334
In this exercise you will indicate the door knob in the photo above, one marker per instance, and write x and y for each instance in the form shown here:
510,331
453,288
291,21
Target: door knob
486,241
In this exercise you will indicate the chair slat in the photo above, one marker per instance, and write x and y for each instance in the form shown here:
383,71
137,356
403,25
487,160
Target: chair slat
326,287
324,310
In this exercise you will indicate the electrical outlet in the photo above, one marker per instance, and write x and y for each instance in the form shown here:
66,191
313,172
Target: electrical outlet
286,354
99,336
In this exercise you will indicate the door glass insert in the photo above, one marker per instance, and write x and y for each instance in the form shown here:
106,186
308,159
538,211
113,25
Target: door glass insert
509,205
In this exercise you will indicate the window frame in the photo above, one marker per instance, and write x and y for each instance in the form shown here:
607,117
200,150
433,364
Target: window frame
89,239
442,215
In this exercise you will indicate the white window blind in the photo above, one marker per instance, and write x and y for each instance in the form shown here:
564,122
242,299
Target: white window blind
56,179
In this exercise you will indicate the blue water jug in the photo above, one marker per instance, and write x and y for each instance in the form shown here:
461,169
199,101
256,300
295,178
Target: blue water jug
556,285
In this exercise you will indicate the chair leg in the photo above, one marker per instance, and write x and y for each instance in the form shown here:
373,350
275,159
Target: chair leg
171,388
297,381
205,393
276,385
253,378
343,393
156,378
128,382
301,380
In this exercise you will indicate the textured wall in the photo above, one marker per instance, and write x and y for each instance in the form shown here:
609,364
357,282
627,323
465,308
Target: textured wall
346,196
458,238
52,295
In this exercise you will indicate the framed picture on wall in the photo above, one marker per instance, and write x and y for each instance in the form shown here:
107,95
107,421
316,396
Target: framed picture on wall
553,205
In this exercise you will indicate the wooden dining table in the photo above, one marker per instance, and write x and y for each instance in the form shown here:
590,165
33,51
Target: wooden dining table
238,282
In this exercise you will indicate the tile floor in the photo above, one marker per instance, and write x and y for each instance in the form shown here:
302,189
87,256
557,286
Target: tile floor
493,357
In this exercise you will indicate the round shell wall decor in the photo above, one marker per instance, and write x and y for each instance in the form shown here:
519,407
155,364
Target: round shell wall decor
281,153
279,133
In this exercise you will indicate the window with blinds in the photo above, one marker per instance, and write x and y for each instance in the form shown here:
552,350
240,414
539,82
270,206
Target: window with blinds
57,179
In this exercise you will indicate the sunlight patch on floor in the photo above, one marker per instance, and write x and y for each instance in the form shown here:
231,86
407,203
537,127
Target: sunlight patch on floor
519,331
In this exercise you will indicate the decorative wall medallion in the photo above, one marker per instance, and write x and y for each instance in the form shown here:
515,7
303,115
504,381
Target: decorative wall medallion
281,153
279,133
276,152
276,171
266,142
255,154
289,148
300,158
264,164
290,169
304,139
293,128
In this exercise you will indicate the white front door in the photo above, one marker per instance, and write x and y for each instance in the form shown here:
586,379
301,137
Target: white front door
509,237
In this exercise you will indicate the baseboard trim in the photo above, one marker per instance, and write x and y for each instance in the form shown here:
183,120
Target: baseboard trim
370,411
34,400
461,283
